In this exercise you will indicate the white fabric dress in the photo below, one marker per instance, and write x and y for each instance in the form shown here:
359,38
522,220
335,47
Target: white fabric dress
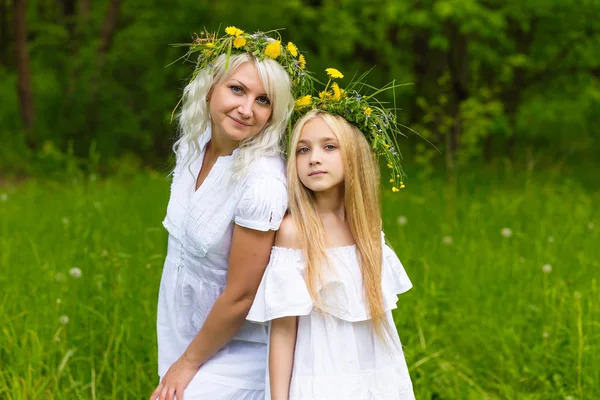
200,225
337,355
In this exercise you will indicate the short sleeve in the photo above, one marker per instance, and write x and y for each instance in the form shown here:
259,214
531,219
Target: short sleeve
282,291
394,278
263,203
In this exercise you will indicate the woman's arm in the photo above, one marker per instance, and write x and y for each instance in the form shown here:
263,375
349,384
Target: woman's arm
248,258
281,356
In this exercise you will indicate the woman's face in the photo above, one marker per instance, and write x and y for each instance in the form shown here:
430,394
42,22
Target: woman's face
239,106
318,157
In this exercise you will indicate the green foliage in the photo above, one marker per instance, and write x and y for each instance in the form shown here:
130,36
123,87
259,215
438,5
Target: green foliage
521,70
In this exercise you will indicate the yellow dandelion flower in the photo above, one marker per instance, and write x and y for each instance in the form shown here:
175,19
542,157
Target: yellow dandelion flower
239,41
324,95
303,101
395,189
337,93
367,110
233,31
392,180
210,44
273,49
389,166
302,61
402,186
334,73
292,49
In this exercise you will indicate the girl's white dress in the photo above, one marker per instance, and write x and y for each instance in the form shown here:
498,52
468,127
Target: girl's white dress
200,225
337,355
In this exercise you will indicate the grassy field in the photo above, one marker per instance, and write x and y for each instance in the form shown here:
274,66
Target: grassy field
506,303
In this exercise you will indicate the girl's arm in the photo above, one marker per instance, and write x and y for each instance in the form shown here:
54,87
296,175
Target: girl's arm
281,356
248,258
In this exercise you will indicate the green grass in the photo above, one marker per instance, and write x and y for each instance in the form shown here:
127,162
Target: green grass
484,321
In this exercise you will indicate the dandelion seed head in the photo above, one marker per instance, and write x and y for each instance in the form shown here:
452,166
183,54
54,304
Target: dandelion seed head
506,232
550,239
58,301
546,335
447,240
64,319
402,220
547,268
3,197
75,272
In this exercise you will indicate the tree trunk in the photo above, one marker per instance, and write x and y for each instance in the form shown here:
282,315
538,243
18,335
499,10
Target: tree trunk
24,74
108,27
4,34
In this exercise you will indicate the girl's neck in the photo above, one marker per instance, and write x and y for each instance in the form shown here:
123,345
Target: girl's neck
331,202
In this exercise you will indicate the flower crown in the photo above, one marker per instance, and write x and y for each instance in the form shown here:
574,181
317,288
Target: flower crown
209,46
369,115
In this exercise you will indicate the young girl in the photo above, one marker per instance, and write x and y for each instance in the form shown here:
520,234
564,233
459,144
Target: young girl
228,198
331,282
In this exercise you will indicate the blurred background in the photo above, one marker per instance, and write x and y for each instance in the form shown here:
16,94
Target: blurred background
497,227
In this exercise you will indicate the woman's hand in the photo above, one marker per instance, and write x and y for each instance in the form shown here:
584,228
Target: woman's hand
177,378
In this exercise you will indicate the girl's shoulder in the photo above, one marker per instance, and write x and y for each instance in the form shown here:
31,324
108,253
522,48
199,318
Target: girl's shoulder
287,235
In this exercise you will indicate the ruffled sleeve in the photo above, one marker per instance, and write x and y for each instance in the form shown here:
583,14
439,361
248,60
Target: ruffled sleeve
282,291
394,278
263,201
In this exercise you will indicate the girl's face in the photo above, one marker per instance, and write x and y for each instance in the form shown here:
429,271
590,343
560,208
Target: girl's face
318,157
239,106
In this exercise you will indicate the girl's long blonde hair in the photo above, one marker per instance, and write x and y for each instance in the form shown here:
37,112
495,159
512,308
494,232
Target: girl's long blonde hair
363,212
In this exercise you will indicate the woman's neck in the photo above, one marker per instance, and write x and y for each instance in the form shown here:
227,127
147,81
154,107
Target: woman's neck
220,145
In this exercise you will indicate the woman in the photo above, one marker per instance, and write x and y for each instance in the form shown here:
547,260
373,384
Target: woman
228,198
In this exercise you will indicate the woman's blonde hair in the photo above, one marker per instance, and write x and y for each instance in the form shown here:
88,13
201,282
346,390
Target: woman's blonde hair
194,118
363,212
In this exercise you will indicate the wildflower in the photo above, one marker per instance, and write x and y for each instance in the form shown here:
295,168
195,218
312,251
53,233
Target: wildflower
324,95
392,180
395,189
546,335
58,301
3,197
60,277
389,166
387,146
402,186
337,92
302,61
303,101
292,49
550,239
239,41
506,232
402,220
358,97
210,44
367,110
233,31
334,73
75,272
547,268
273,49
447,240
64,319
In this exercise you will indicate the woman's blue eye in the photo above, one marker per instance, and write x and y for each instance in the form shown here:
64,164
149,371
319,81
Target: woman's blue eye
237,89
264,100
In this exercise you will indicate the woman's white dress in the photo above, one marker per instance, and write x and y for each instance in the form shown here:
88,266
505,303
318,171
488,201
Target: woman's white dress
337,355
200,225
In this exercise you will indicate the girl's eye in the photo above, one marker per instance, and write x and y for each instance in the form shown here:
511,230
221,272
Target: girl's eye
302,150
330,147
263,100
237,89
